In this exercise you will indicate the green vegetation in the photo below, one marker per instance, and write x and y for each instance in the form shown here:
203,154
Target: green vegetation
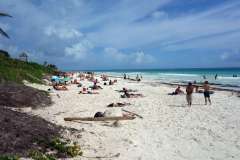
55,144
16,70
16,157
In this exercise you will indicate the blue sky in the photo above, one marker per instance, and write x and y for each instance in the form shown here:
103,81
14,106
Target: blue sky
123,34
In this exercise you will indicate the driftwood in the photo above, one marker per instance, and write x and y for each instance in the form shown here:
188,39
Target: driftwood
99,118
132,113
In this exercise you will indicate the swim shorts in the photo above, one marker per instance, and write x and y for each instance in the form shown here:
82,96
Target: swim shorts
189,97
206,94
131,90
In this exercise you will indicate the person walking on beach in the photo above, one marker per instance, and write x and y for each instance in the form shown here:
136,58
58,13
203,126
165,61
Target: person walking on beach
206,92
189,91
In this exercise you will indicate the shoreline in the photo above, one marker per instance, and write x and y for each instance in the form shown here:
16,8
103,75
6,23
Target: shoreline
214,88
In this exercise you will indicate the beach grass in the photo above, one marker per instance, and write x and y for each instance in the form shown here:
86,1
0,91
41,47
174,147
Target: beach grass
17,71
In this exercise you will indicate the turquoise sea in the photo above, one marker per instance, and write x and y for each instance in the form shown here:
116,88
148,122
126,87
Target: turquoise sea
224,75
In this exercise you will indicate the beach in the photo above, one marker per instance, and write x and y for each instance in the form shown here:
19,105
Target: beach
169,128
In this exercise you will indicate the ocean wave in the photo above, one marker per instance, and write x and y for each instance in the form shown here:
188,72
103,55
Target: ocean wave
228,77
171,74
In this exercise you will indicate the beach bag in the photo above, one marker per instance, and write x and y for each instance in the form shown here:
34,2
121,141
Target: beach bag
84,89
80,85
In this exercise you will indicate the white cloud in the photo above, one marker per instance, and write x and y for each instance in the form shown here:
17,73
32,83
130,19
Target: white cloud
158,14
232,56
224,56
61,33
79,50
112,54
137,57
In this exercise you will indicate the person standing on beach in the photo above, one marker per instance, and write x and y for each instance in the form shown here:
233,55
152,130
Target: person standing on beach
125,75
137,78
216,77
189,91
206,92
141,76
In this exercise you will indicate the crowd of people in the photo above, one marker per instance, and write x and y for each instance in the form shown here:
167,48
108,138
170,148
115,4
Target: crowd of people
190,89
89,77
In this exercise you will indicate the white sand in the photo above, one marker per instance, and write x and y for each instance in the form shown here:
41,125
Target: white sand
169,128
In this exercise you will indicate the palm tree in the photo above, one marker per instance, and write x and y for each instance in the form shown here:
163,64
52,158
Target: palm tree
1,31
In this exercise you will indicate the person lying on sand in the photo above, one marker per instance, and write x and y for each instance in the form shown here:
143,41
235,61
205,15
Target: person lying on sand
118,104
127,95
130,90
95,86
76,82
60,88
179,91
115,81
87,92
101,114
198,91
111,83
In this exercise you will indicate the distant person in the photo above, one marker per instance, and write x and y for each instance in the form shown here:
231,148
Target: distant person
111,83
198,91
204,77
125,75
101,114
118,104
215,76
206,92
141,76
189,91
137,78
179,91
195,82
129,90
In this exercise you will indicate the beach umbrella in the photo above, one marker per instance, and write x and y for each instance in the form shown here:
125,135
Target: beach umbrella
58,80
66,79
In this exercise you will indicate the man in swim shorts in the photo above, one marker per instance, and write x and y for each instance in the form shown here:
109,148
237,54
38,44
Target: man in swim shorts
189,91
206,92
